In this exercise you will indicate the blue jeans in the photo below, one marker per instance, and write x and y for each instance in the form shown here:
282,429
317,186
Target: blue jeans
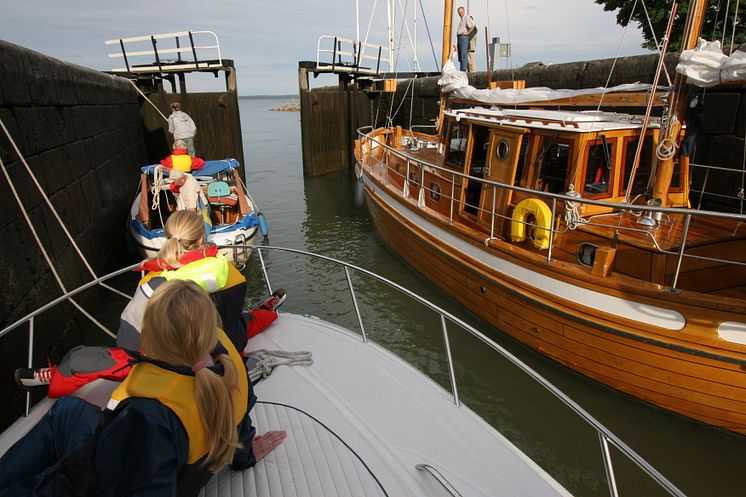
463,51
70,423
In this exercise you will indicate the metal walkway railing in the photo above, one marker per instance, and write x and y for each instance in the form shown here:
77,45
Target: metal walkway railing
168,52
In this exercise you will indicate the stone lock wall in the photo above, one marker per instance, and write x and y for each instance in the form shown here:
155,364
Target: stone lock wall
81,133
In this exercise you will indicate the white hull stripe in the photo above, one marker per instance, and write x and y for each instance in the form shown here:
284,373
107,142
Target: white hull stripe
628,309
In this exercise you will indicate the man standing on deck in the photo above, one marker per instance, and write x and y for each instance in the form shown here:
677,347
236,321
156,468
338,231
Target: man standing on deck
182,127
466,36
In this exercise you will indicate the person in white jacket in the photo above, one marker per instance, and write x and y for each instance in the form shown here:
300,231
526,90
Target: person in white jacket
182,127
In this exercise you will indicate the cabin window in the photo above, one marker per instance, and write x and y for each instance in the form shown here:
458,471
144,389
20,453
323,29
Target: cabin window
598,169
477,168
456,152
642,176
502,150
413,179
553,163
434,192
523,158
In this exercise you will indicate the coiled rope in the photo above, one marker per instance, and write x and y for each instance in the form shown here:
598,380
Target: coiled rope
269,359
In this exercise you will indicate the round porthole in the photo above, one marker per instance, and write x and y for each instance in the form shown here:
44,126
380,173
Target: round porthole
503,149
434,192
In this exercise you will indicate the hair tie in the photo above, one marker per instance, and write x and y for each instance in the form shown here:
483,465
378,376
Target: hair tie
178,238
204,363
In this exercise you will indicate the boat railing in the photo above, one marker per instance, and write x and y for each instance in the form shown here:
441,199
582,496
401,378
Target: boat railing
178,52
649,213
606,438
702,191
347,54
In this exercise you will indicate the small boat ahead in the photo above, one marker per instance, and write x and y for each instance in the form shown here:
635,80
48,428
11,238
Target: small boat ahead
228,209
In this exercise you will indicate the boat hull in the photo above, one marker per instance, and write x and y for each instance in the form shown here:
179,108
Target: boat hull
149,242
641,359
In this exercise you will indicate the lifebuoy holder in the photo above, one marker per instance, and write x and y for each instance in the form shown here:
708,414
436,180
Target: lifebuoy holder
543,221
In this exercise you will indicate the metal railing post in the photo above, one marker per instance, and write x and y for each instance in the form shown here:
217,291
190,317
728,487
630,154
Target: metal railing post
449,358
264,270
30,359
354,303
608,466
492,217
681,253
453,194
405,188
551,230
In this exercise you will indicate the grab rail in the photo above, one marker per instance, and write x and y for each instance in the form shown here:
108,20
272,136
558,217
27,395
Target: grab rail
438,476
604,434
687,214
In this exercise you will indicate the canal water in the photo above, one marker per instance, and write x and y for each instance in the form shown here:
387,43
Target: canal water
323,215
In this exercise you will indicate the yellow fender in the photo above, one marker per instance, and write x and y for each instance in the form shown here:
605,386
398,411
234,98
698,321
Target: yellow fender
541,213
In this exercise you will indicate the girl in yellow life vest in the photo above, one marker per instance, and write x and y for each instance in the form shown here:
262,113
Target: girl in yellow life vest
181,160
181,415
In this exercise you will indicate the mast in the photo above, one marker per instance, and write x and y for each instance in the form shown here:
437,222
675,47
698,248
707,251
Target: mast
447,19
678,103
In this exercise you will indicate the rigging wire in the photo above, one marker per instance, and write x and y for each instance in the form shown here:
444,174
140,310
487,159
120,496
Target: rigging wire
655,39
427,28
725,23
735,23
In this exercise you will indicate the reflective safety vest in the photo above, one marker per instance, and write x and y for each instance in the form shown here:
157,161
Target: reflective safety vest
176,391
182,162
211,273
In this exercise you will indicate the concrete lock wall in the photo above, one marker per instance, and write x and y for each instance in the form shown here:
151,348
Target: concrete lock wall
81,133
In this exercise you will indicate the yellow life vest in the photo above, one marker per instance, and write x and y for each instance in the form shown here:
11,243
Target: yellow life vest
211,273
182,162
176,391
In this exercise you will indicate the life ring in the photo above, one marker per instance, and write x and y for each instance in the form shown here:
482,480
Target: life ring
543,216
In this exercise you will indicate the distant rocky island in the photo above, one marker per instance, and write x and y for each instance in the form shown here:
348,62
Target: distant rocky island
288,107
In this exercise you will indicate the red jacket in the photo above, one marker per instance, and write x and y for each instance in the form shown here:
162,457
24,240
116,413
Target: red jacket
197,163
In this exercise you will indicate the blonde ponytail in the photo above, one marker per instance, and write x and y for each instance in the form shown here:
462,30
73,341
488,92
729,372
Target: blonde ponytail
184,231
180,327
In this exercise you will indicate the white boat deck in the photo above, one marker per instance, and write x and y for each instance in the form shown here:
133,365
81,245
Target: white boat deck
358,420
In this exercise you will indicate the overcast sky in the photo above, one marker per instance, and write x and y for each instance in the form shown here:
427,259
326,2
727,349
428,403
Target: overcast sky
267,39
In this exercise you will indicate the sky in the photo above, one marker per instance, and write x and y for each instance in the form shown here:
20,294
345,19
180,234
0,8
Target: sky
267,39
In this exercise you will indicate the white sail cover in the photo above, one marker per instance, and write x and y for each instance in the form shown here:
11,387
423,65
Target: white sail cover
456,82
705,65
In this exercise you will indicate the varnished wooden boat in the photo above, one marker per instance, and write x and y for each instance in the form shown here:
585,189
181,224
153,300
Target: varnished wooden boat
524,217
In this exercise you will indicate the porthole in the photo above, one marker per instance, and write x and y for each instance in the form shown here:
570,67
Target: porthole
413,179
503,149
434,192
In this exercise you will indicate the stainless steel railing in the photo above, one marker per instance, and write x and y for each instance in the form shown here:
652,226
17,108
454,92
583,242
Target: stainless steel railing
605,436
369,143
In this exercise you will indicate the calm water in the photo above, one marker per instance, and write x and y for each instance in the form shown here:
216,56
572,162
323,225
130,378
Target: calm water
320,215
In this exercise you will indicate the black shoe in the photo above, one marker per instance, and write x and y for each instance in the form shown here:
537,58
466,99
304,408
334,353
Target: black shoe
274,301
34,379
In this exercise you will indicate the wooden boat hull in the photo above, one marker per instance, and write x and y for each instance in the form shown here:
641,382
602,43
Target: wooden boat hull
662,366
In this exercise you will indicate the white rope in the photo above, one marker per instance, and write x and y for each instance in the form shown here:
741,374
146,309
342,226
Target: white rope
572,210
148,100
51,207
269,359
158,184
44,252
